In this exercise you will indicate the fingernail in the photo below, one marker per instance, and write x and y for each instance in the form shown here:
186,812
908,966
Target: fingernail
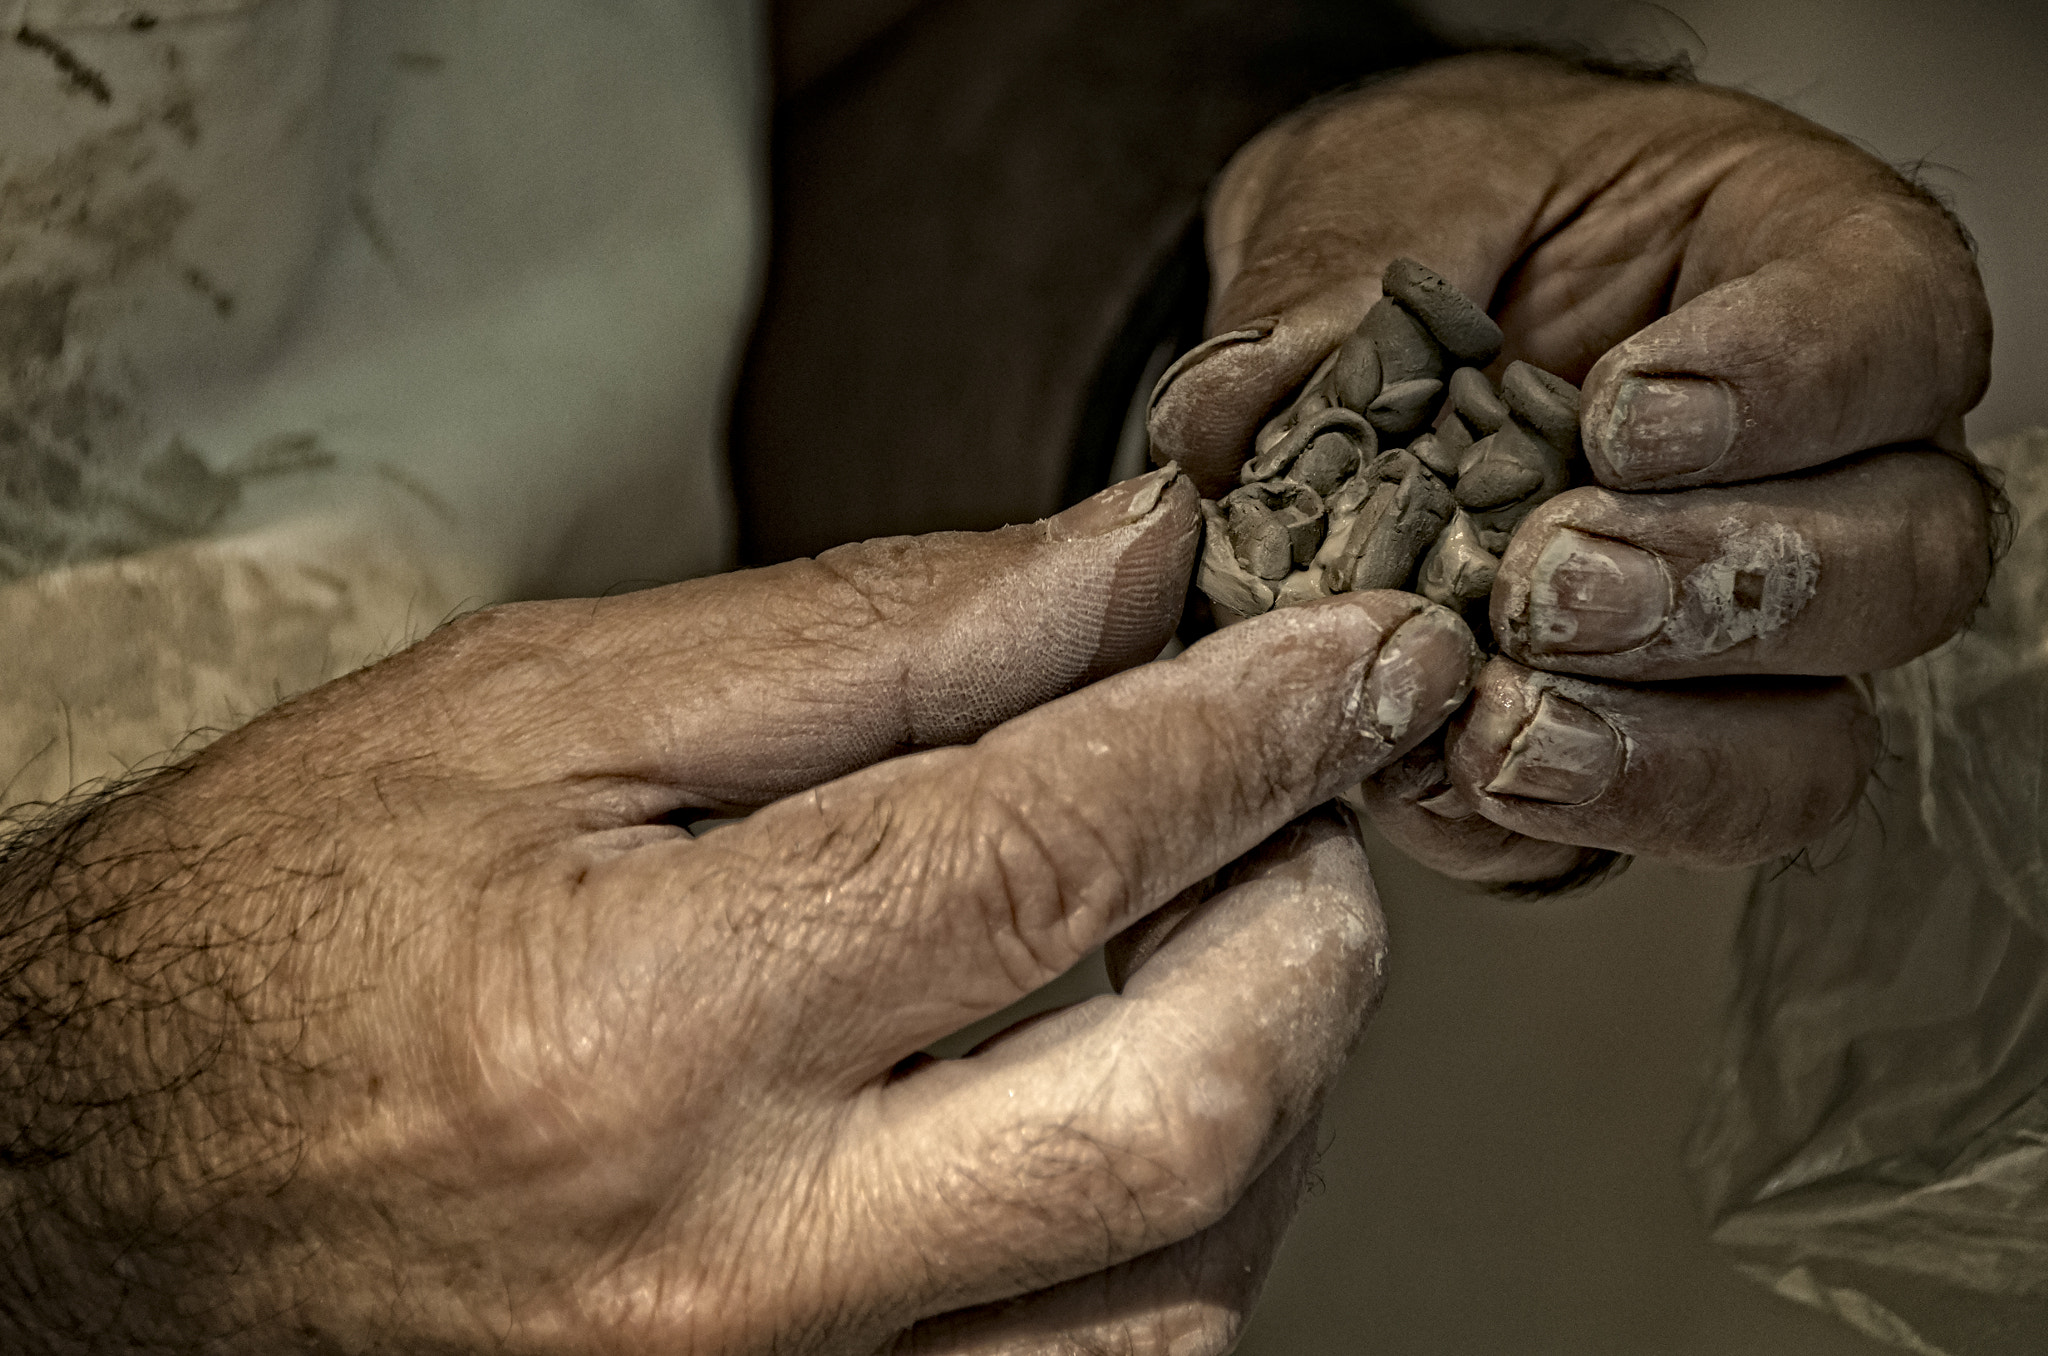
1423,672
1118,506
1251,333
1594,595
1565,755
1667,426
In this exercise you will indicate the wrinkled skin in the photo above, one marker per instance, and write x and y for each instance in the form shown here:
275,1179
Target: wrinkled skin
406,1018
1751,303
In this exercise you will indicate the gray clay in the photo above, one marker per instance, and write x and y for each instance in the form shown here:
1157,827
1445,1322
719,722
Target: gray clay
1404,406
1393,530
1384,474
1547,403
1457,571
1438,453
1406,350
1492,475
1329,461
1453,319
1279,457
1355,380
1225,582
1472,396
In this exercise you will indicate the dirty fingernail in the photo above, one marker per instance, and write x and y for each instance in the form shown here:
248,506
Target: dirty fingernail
1667,426
1422,674
1118,506
1250,333
1565,755
1595,595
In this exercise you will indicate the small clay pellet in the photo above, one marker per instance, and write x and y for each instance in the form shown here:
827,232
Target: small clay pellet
1453,319
1438,454
1294,507
1457,571
1453,432
1548,404
1404,406
1396,526
1473,397
1329,461
1406,350
1355,380
1262,541
1221,577
1278,458
1492,475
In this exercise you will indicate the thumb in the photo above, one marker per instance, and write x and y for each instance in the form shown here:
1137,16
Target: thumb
739,689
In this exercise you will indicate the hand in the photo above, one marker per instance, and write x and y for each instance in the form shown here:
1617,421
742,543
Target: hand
406,1018
1753,305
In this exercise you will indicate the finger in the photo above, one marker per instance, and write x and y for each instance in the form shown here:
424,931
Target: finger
739,689
954,882
1414,806
1189,1299
1707,774
1843,311
1127,1124
1846,570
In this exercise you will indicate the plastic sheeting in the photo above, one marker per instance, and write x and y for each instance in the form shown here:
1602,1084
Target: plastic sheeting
1875,1138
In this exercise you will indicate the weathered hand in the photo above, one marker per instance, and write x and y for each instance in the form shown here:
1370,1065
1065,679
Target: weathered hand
405,1017
1753,305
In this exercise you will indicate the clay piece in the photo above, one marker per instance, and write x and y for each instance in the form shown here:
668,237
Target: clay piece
1397,465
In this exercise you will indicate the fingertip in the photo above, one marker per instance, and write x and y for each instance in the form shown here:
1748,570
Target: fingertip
1714,774
1870,330
1208,406
1426,667
1533,743
1643,430
1146,583
1124,504
1406,665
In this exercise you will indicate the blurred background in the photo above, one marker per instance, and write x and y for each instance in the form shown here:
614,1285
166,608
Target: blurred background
1502,1167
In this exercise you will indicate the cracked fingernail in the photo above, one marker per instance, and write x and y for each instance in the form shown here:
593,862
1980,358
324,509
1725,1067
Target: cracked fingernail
1422,674
1565,755
1667,426
1594,595
1118,506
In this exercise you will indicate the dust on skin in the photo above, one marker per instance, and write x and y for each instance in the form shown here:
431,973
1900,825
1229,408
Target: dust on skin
1761,577
82,475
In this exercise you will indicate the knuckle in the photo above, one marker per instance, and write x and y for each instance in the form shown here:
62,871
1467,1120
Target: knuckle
875,581
1041,881
1134,1166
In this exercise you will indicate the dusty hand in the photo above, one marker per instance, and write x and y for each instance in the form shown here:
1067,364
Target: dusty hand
405,1018
1752,305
